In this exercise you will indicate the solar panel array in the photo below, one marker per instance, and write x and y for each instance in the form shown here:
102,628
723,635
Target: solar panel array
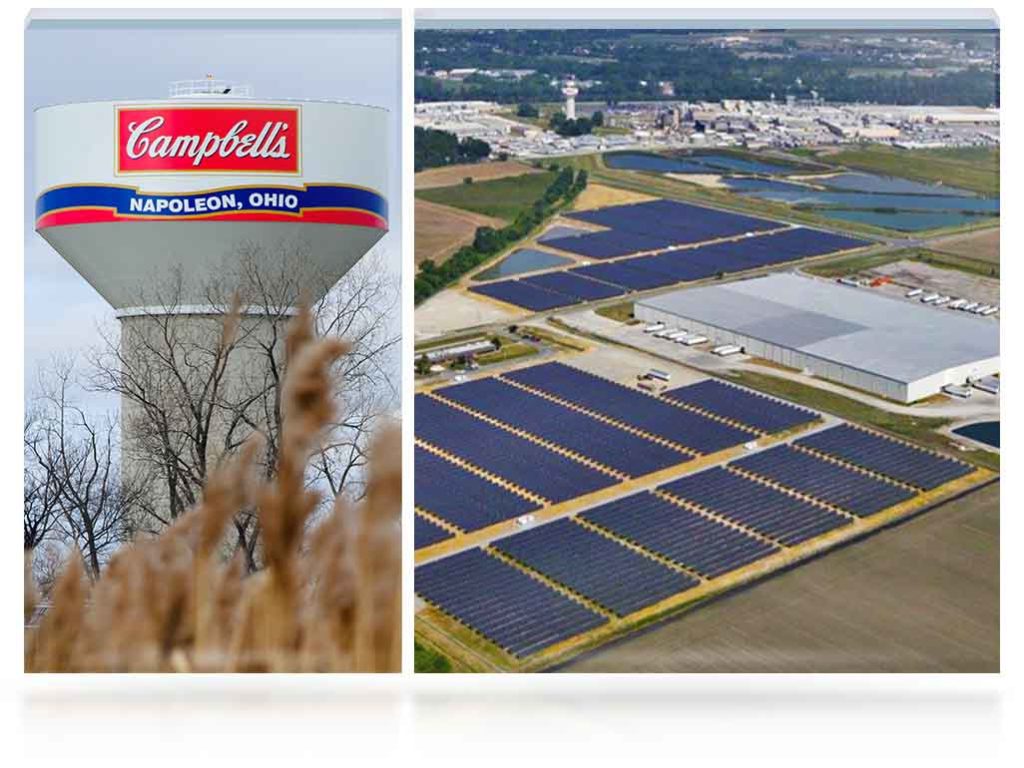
845,488
630,406
462,498
620,273
427,532
653,225
887,457
498,601
684,537
656,226
524,295
574,286
523,462
597,440
761,508
604,571
742,405
708,524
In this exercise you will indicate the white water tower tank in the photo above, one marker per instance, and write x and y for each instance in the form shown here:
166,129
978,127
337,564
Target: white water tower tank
127,190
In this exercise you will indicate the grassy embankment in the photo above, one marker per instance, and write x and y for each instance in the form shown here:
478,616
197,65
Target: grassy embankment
972,168
428,660
847,265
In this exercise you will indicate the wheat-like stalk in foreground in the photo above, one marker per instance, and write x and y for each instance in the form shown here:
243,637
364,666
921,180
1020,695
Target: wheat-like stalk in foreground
326,601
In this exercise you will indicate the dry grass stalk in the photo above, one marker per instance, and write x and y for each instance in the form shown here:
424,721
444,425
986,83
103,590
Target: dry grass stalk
171,604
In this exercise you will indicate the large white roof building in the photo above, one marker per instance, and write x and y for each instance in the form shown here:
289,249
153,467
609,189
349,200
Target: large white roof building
890,346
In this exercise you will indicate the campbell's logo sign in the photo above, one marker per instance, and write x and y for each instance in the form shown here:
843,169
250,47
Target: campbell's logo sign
197,139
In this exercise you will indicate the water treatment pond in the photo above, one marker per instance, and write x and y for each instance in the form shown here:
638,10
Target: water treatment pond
890,202
522,260
704,163
882,201
986,432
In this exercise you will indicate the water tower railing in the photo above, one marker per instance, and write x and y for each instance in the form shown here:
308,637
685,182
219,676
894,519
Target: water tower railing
209,87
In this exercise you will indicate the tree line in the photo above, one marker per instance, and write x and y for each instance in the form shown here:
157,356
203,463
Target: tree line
629,65
434,148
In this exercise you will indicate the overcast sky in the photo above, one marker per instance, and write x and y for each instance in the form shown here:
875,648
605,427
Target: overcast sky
68,62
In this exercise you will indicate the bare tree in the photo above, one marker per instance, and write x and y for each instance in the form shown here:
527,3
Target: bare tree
42,491
192,393
75,469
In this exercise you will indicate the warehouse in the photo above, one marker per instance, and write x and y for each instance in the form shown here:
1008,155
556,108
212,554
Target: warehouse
886,345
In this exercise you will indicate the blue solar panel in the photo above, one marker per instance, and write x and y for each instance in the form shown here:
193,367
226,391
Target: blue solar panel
886,456
597,440
428,532
569,284
678,223
524,295
464,499
620,273
612,575
684,537
742,405
858,493
498,601
528,465
766,510
691,430
611,243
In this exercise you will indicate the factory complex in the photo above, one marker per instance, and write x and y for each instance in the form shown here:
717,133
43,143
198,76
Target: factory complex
894,348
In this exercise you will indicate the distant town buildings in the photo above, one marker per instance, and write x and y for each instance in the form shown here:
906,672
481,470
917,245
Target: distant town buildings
657,125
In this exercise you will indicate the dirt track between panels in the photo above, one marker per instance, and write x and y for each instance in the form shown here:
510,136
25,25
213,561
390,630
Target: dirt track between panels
920,597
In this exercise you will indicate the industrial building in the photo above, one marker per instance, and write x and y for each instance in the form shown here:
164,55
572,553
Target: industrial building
889,346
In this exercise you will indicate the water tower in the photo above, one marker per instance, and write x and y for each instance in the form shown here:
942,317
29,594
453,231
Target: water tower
570,91
136,195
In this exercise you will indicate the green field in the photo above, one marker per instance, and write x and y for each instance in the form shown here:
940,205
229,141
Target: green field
428,660
508,351
501,198
920,429
974,168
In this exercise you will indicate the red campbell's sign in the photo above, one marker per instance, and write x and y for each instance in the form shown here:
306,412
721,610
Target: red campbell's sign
208,139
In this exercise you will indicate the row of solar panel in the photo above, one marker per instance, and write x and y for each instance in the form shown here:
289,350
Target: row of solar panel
750,408
547,291
761,508
550,290
886,456
855,492
503,604
427,532
629,406
603,570
528,465
610,445
655,225
462,498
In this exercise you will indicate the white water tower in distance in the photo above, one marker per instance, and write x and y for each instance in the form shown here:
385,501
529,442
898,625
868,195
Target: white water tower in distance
570,91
